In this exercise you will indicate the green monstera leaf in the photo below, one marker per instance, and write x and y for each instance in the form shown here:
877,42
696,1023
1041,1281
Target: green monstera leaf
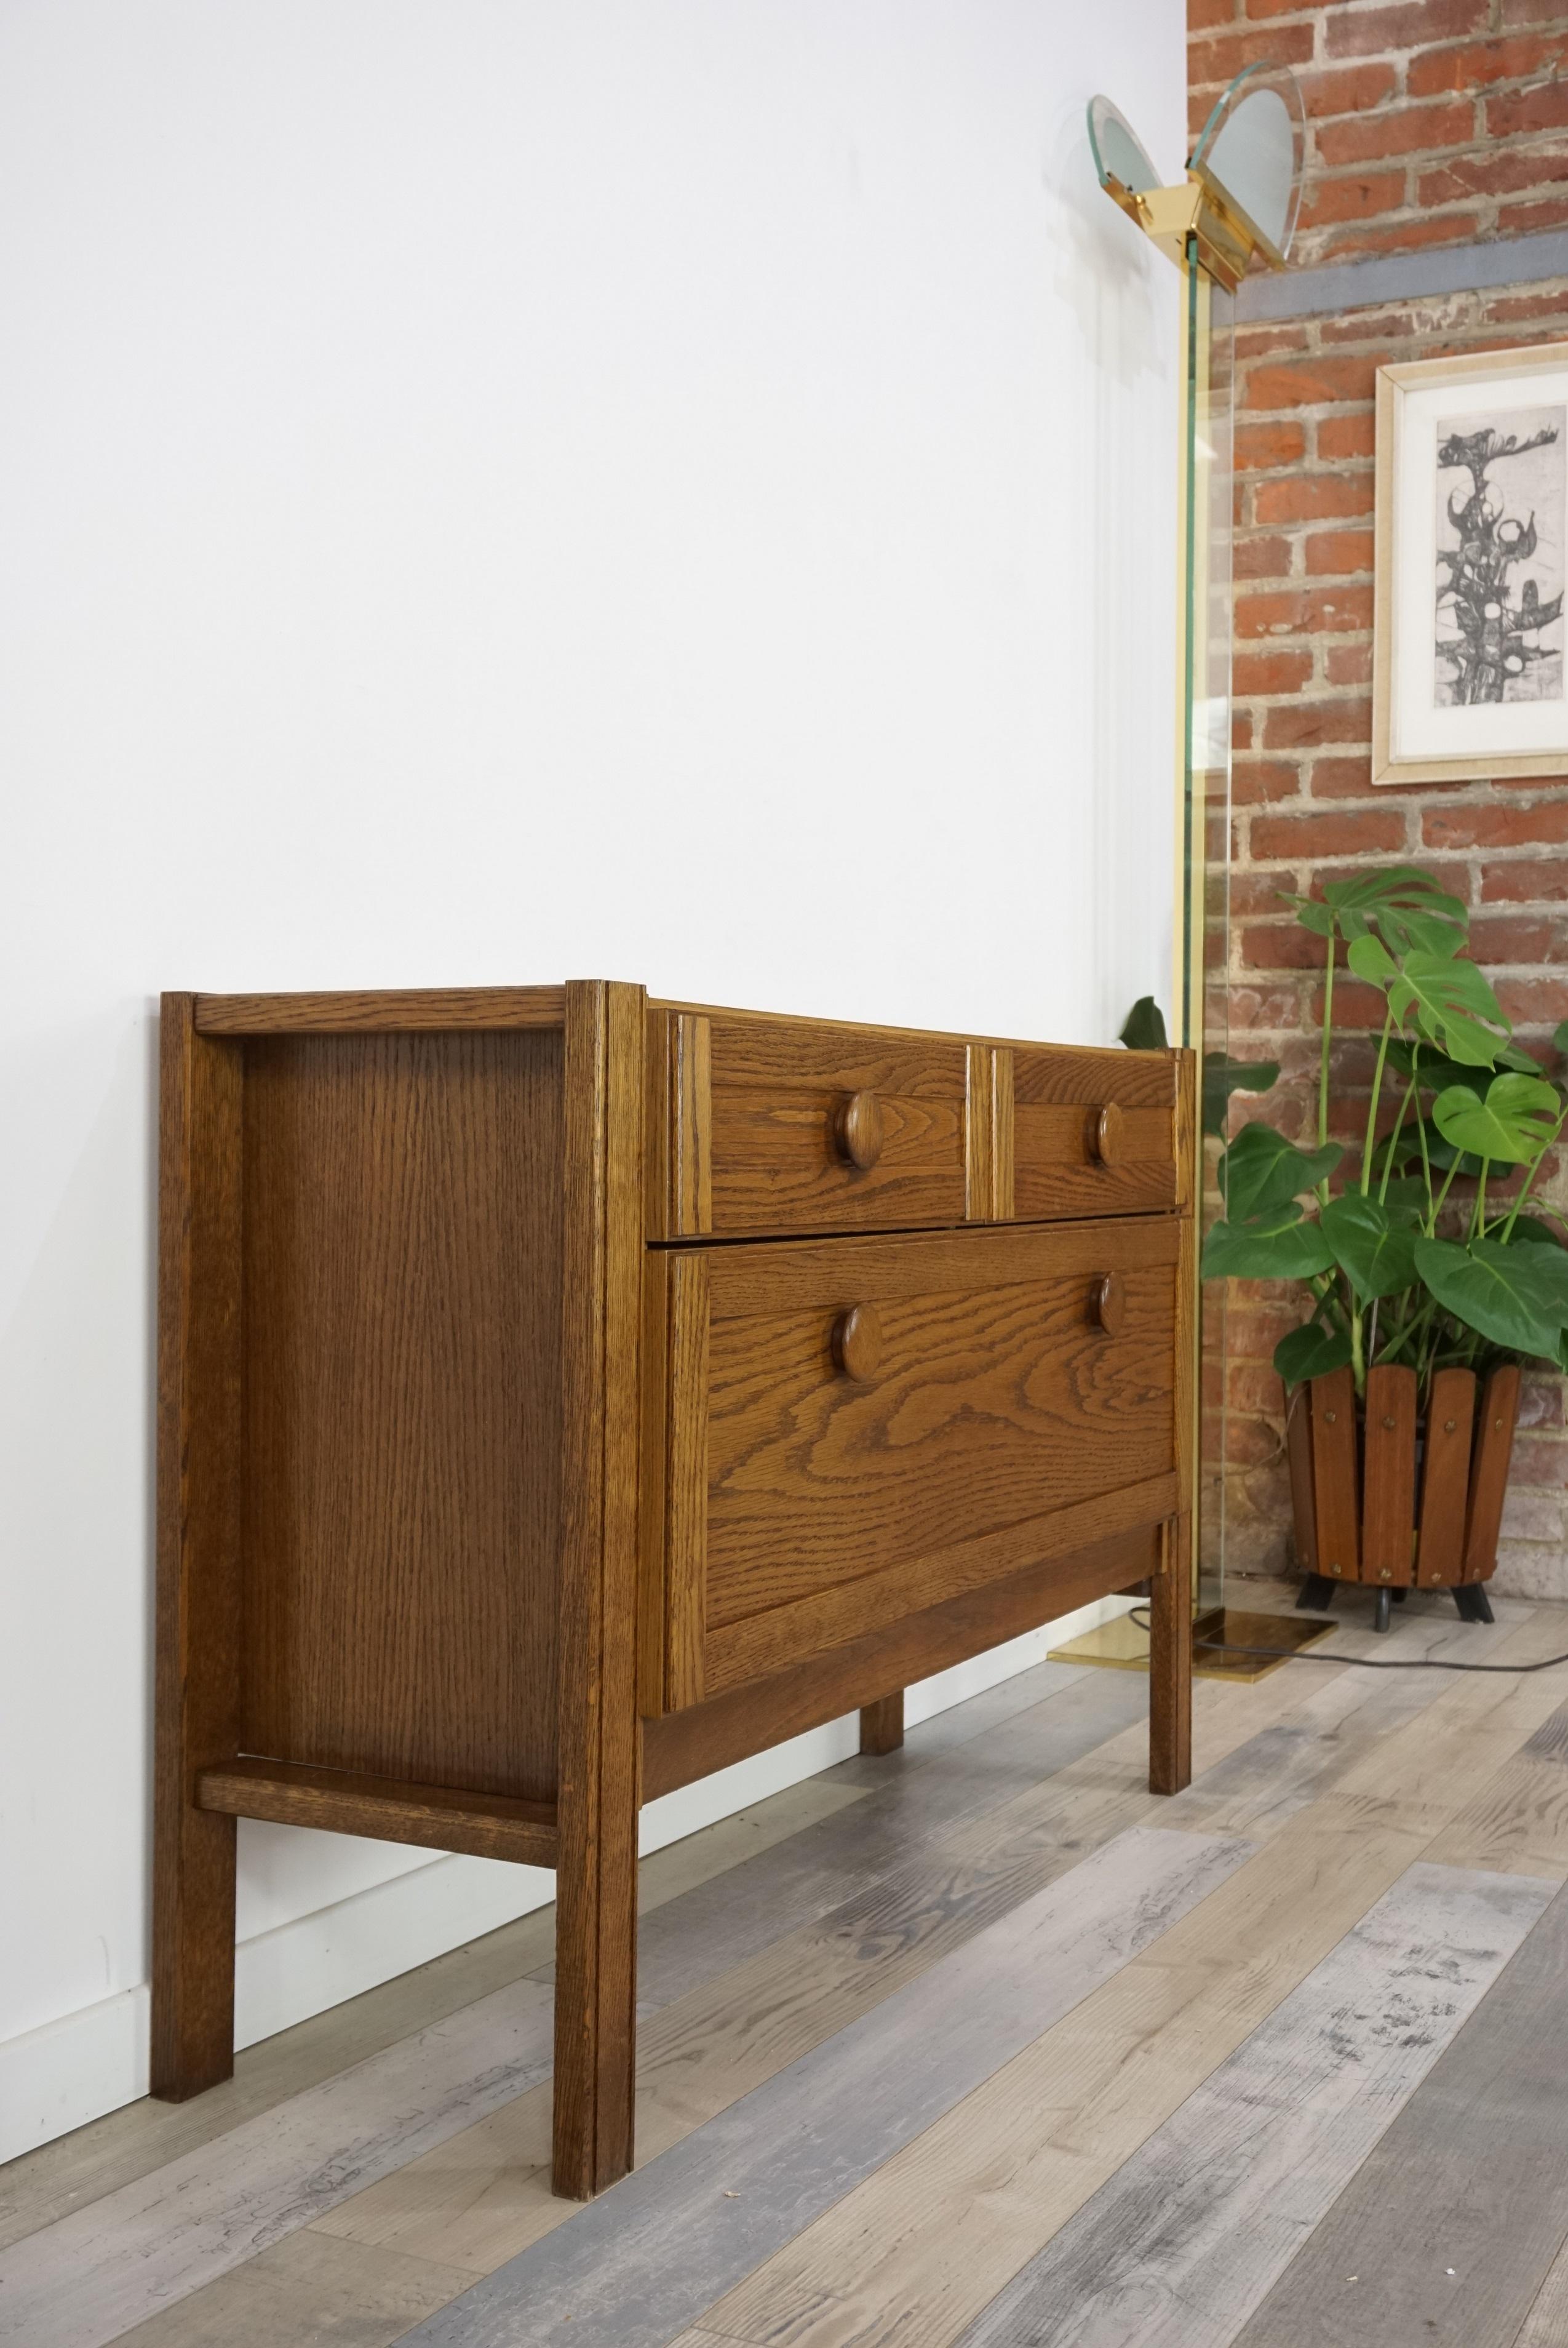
1405,906
1144,1029
1373,1244
1261,1170
1515,1295
1438,1071
1275,1245
1450,1004
1311,1352
1515,1122
1222,1077
1369,959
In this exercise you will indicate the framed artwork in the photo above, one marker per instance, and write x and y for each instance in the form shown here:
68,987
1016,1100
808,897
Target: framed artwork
1468,669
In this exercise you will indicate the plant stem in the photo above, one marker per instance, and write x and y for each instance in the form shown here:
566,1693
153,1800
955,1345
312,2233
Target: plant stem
1323,1071
1524,1185
1372,1104
1477,1212
1393,1139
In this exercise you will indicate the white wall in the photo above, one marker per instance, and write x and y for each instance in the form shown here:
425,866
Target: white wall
679,489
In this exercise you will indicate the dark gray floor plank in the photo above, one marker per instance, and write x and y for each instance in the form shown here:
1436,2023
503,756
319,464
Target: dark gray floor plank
644,2261
1453,2223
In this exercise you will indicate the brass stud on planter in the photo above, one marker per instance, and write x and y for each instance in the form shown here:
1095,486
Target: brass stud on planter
1390,1425
1448,1425
1329,1418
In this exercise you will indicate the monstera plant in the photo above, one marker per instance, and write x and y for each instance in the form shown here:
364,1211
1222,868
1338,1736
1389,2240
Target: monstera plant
1398,1266
1427,1264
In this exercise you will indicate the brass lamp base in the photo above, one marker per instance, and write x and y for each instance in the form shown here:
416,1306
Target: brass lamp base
1123,1646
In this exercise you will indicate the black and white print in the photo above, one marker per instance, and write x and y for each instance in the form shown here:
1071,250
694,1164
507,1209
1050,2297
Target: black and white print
1501,492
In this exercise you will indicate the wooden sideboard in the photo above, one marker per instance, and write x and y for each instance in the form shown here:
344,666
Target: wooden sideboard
563,1395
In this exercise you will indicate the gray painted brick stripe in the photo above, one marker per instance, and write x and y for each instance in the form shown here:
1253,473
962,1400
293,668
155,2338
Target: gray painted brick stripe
1403,277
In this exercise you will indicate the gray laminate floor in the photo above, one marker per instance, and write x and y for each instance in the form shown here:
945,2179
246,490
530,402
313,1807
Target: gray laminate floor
975,2043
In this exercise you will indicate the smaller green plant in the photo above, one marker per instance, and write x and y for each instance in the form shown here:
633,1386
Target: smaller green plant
1398,1266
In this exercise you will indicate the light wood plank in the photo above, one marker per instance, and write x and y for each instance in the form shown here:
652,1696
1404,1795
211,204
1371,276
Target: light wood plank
1518,1820
1184,2242
82,2281
1451,2226
907,2259
649,2255
302,2290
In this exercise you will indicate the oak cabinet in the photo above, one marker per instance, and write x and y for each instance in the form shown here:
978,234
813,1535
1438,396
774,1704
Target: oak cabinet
563,1395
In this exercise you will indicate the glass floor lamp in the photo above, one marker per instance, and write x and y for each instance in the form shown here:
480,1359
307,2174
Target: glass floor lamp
1238,203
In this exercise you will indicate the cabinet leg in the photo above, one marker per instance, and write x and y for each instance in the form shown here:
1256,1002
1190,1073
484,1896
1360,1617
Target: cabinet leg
595,2015
1171,1662
192,1956
881,1724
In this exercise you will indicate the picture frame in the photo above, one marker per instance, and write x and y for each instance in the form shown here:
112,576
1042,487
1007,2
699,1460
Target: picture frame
1470,641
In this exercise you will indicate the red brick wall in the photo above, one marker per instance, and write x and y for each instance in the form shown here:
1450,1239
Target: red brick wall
1429,122
1438,122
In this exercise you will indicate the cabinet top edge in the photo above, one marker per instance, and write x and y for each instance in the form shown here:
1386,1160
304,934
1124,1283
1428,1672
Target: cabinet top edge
389,1010
367,1010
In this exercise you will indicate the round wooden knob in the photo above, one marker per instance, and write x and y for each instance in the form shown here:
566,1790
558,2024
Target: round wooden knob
1105,1136
857,1129
857,1342
1108,1303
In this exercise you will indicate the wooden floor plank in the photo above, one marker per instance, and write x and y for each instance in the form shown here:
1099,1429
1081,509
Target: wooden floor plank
641,2262
911,2256
1518,1820
1451,2225
1181,2244
42,2187
95,2273
178,2225
483,2197
304,2288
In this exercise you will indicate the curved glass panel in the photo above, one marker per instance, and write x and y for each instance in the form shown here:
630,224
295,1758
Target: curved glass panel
1119,152
1252,148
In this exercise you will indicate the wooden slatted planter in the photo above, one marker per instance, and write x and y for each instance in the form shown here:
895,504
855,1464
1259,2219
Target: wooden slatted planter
1354,1479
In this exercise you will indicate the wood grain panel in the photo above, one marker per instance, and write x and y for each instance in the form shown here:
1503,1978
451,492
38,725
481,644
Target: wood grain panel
691,1154
760,1644
343,1801
979,1171
382,1010
1389,1507
1336,1477
596,1871
812,1272
1303,1502
993,1406
1489,1471
723,1729
403,1271
686,1528
1445,1477
199,1374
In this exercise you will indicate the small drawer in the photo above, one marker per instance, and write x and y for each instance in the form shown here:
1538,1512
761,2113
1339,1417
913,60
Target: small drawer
783,1125
856,1430
1093,1132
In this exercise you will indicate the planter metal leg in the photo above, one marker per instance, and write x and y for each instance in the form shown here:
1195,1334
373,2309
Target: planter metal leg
1474,1605
1382,1609
1317,1595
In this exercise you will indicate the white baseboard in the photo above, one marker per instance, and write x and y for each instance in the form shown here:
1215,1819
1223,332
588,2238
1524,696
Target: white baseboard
74,2069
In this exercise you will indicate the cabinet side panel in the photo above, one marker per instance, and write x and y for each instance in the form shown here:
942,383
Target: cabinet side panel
403,1298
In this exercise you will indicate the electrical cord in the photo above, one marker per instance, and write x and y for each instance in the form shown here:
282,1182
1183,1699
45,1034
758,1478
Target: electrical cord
1140,1614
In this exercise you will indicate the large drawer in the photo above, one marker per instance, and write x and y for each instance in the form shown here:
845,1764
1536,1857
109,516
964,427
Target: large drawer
843,1433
